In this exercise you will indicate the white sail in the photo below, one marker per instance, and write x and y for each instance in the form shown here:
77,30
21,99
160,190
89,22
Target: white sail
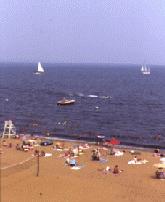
145,70
40,68
142,69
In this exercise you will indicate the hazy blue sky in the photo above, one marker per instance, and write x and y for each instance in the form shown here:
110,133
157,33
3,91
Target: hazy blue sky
115,31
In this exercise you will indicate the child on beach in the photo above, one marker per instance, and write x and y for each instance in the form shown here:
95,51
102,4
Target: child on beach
116,170
135,159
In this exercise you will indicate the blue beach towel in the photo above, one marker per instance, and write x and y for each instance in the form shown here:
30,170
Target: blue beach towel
102,160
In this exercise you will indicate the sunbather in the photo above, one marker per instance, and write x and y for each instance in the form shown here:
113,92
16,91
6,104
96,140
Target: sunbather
4,143
107,170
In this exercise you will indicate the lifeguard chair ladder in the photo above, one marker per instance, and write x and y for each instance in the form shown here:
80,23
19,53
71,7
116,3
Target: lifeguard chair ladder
9,129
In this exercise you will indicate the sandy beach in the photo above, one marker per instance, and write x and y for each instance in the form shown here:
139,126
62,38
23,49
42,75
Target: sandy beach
58,182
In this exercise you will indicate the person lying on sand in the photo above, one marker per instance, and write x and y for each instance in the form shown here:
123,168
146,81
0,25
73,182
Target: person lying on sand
59,146
4,143
135,152
107,170
137,161
85,146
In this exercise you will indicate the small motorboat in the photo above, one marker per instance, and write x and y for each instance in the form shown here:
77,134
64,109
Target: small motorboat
65,101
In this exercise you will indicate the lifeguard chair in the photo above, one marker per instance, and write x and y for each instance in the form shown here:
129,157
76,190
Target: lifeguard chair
9,130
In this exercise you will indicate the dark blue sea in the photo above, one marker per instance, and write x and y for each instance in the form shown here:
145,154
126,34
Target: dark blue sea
111,100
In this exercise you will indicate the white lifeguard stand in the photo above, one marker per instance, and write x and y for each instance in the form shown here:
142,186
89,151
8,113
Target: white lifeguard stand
9,130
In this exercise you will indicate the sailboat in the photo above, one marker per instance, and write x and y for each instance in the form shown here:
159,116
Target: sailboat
40,69
145,70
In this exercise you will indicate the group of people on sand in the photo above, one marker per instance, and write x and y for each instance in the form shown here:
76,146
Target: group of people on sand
77,150
39,153
73,152
24,146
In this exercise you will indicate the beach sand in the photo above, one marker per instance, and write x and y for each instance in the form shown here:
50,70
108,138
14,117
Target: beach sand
57,182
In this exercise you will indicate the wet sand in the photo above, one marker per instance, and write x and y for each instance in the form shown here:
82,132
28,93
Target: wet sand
57,182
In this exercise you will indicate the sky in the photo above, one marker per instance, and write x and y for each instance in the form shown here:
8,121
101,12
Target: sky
82,31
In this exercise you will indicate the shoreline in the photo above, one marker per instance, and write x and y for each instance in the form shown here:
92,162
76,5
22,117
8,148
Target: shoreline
129,146
120,146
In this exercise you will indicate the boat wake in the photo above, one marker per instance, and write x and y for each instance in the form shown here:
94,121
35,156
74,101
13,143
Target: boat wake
94,96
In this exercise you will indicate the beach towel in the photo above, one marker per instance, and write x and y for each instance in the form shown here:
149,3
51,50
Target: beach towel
159,165
162,160
59,149
119,153
102,160
76,168
137,162
135,152
48,154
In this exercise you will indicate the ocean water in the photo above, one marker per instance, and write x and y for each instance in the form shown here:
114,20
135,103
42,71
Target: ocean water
111,100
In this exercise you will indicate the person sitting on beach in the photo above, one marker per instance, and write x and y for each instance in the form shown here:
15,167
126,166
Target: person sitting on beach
95,155
36,153
67,160
111,151
42,153
135,159
75,151
17,147
160,174
156,152
10,145
59,146
80,149
116,170
70,151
